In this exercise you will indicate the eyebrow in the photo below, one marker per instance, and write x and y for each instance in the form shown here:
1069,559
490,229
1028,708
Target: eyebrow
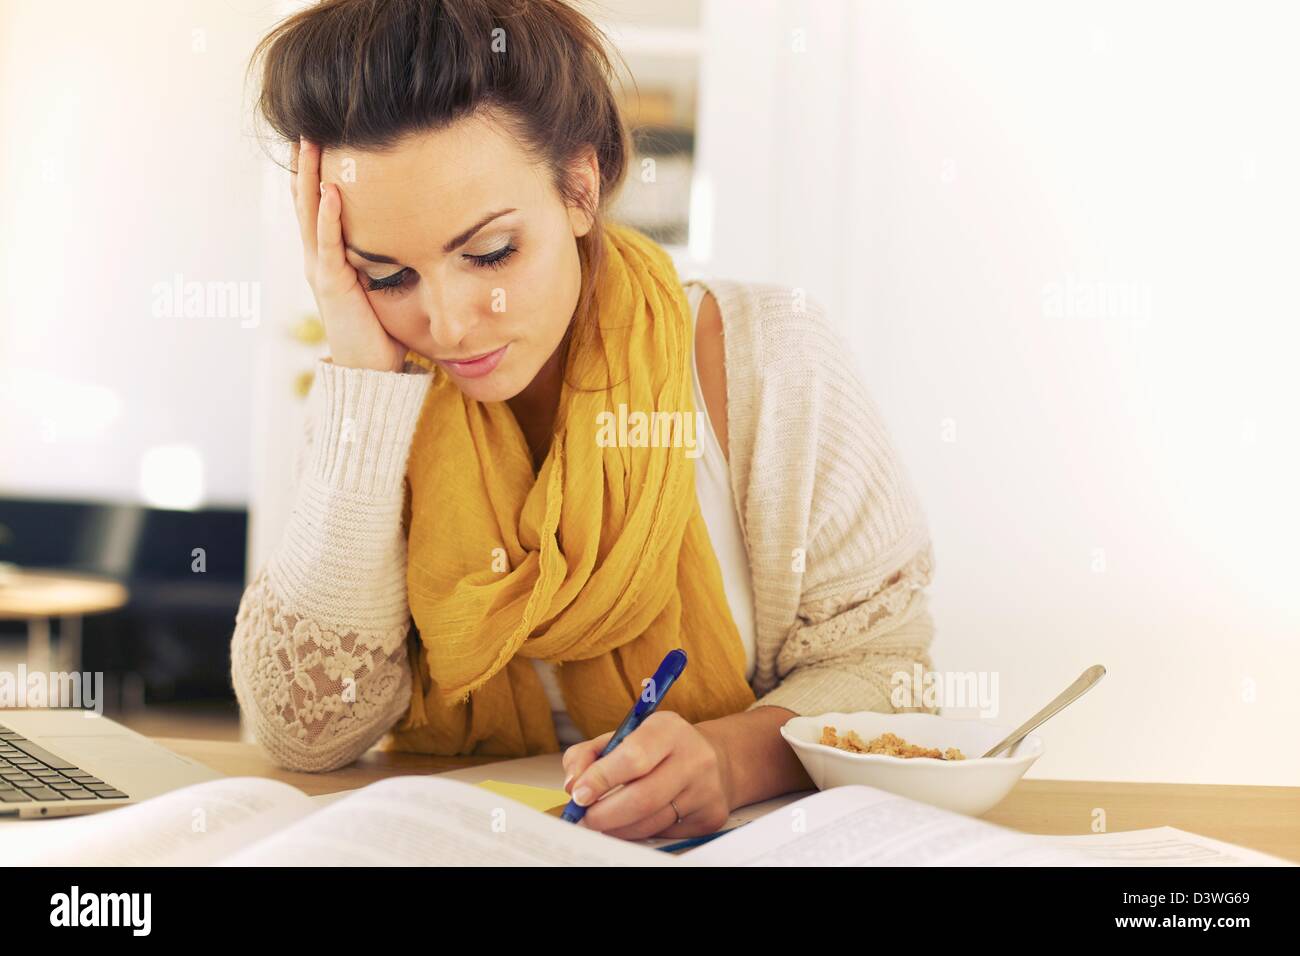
451,246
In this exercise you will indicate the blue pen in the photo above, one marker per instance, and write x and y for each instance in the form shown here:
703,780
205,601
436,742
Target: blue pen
691,842
653,692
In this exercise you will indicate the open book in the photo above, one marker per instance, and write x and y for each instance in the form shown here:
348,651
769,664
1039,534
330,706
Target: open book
435,820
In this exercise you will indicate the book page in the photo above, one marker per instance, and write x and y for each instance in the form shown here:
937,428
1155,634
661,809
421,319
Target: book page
547,771
862,826
425,821
192,826
1163,846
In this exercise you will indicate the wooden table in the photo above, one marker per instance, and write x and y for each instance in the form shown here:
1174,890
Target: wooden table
1261,818
36,595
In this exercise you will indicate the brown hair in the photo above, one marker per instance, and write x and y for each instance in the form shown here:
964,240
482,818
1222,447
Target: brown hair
365,73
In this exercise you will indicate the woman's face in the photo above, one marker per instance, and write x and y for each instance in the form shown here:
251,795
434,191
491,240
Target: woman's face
465,249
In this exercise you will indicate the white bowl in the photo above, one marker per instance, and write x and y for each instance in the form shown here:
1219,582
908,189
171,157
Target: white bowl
972,786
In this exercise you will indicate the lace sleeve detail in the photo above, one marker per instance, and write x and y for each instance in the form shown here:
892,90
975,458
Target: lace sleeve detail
846,654
319,697
318,656
859,622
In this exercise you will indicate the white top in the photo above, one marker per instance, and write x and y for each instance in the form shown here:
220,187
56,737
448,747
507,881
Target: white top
718,505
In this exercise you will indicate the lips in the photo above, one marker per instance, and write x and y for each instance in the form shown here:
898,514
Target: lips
477,366
465,361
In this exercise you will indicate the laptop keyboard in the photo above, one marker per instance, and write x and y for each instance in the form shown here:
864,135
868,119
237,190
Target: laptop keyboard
29,774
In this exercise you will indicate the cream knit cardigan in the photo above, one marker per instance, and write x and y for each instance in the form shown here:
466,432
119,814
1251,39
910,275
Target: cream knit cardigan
838,546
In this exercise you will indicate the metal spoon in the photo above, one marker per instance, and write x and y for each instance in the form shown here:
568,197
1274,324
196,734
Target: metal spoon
1066,697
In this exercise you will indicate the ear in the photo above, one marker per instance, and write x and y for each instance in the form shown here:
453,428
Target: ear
584,177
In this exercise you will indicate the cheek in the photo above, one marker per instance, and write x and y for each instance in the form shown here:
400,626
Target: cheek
547,291
399,315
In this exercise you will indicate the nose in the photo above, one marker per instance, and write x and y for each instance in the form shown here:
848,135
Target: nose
448,323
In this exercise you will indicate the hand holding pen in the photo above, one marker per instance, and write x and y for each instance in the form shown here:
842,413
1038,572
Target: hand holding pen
670,774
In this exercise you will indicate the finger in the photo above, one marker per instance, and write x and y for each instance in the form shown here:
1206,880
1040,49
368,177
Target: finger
308,197
580,756
293,172
640,752
699,810
640,802
652,826
333,274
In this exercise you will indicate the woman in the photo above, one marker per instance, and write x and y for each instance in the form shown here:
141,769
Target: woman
479,561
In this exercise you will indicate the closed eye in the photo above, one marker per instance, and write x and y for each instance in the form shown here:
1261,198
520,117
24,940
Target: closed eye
389,283
494,260
396,281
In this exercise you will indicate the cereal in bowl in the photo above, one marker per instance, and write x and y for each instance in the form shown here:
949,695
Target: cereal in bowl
888,745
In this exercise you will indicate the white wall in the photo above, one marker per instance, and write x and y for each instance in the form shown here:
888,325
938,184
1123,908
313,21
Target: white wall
125,162
1061,239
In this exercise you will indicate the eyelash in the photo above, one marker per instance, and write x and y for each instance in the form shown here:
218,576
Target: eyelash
395,282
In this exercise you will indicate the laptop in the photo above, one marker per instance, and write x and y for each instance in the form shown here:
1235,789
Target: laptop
59,762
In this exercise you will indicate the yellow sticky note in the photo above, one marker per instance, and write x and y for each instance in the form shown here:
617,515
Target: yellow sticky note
539,798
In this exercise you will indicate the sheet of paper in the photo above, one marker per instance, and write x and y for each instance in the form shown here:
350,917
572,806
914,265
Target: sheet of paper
539,798
192,826
543,770
421,821
862,826
1163,846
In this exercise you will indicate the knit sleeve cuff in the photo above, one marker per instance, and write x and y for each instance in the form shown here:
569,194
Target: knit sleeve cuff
367,420
811,691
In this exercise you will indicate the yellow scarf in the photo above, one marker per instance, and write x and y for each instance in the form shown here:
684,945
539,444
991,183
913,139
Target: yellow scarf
600,561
